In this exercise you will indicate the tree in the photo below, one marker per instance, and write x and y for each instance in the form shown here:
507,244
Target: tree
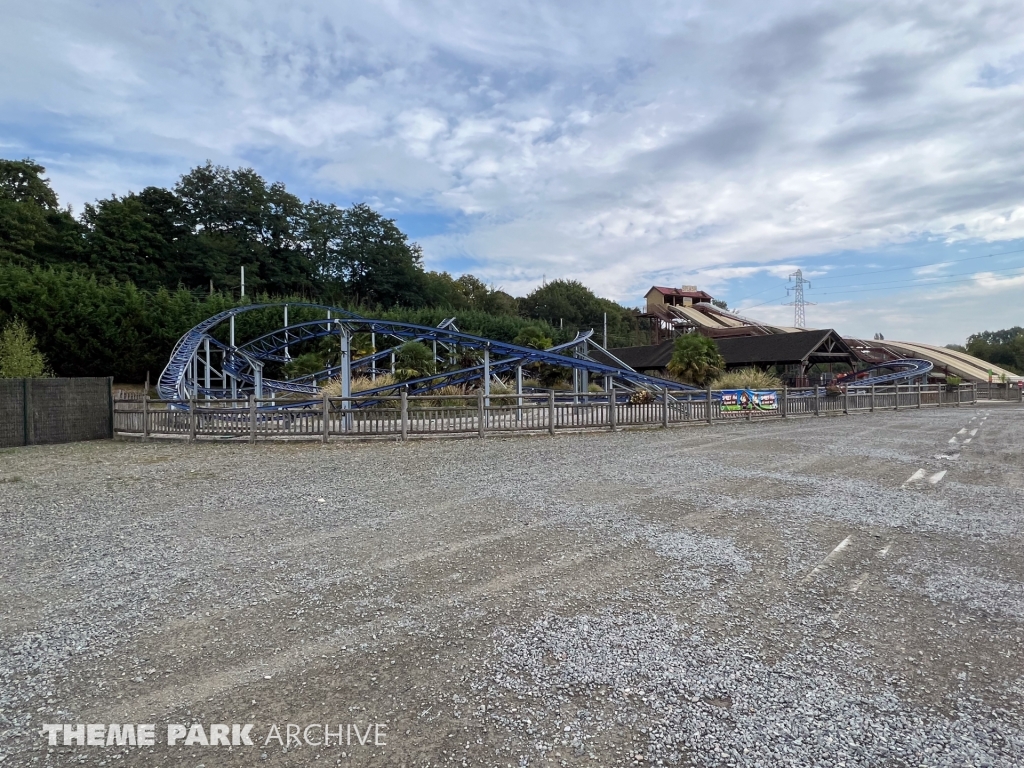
1004,348
121,242
442,290
19,356
571,303
562,301
696,360
413,360
359,255
533,337
236,219
33,228
499,303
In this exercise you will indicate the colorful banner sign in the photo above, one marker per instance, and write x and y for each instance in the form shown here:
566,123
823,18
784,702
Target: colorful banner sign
749,400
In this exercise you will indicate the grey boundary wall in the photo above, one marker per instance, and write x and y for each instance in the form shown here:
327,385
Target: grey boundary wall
37,411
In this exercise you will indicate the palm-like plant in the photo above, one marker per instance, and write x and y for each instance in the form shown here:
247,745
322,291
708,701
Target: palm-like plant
696,360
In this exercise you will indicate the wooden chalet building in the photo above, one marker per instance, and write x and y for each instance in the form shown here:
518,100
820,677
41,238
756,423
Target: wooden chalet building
791,354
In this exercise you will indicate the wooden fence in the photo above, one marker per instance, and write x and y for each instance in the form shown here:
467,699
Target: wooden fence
999,391
403,416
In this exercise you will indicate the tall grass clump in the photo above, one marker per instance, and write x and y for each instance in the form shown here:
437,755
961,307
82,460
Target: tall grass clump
747,378
332,388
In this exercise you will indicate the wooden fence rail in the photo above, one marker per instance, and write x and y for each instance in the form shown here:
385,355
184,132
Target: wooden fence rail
402,416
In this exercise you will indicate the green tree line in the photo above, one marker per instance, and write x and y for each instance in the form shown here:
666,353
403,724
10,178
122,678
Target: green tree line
1004,348
110,291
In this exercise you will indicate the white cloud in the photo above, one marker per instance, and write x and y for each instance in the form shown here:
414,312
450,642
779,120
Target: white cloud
621,145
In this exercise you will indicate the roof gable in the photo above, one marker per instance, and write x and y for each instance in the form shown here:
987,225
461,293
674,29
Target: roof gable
678,292
780,347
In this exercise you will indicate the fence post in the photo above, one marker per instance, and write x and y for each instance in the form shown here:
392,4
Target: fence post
709,415
28,421
551,412
192,418
846,400
405,413
897,397
957,395
481,411
110,403
918,395
872,406
664,406
816,393
611,408
327,418
252,419
145,418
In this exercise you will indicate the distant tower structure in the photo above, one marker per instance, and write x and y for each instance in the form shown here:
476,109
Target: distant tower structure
798,303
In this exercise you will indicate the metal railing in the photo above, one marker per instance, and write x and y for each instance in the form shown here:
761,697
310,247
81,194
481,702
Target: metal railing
403,416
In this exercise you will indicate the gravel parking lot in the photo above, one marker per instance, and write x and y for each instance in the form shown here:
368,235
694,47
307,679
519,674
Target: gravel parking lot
815,592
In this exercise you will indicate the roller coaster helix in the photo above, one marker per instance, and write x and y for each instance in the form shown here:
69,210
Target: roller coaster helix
210,365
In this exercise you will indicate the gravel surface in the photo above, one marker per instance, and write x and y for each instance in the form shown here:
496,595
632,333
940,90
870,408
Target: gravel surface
805,593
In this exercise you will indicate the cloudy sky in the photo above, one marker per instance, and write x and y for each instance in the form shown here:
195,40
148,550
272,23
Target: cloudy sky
879,147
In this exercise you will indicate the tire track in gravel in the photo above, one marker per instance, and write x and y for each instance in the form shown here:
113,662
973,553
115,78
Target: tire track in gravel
214,683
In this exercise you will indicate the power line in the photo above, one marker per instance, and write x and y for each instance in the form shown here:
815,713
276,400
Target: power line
935,281
918,266
878,271
868,290
763,304
925,279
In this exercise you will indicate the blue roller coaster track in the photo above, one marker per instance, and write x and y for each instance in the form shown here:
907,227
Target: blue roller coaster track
207,363
205,366
896,370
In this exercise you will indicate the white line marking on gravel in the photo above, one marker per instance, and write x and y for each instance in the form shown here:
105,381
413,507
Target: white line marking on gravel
859,582
974,432
963,431
919,475
952,440
968,440
828,558
947,456
936,477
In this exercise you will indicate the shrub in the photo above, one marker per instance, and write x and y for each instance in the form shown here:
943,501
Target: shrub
501,388
451,396
696,359
359,384
414,360
20,358
303,365
641,397
747,378
533,337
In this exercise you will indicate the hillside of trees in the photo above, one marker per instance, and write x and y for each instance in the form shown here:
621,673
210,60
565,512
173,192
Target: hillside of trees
109,291
1003,348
